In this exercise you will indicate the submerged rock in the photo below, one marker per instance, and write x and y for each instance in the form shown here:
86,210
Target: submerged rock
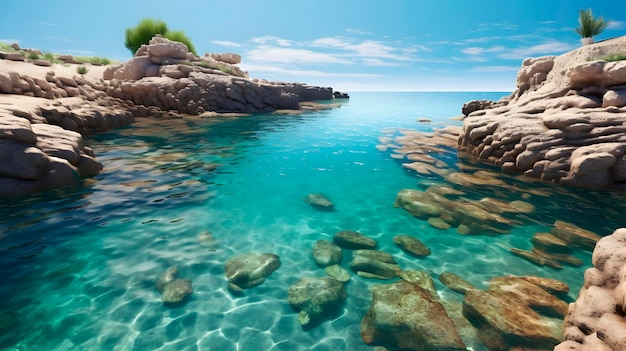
352,240
249,270
326,253
319,201
365,261
575,236
455,283
335,271
206,239
419,278
166,278
316,298
405,316
515,313
177,291
411,245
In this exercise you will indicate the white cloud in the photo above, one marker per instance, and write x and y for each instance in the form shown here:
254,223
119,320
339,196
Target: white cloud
226,43
357,31
254,69
376,62
267,39
50,24
65,39
331,42
266,53
616,25
550,48
480,51
364,49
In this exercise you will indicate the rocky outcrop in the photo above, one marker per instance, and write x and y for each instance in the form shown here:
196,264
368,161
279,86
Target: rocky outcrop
404,316
166,75
564,123
163,79
595,321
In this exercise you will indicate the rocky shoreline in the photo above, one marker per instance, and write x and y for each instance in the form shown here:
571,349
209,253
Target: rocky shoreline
43,115
565,122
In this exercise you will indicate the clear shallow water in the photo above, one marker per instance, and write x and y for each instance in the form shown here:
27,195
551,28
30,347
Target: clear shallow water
79,264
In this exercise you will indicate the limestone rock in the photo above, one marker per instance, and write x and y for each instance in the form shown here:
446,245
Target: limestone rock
405,316
319,201
455,283
227,57
411,245
352,240
177,291
316,298
326,253
335,271
596,320
249,270
505,315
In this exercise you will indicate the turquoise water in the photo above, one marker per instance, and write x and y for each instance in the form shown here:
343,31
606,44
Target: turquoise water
79,264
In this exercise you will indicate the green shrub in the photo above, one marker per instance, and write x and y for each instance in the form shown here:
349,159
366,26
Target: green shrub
94,60
148,28
181,37
590,26
33,56
614,57
48,56
81,70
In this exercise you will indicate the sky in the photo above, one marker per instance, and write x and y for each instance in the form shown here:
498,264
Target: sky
350,45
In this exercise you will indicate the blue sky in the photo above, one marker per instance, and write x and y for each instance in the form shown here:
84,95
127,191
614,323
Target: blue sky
391,45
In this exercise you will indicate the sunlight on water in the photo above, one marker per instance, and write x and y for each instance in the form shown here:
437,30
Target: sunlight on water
79,264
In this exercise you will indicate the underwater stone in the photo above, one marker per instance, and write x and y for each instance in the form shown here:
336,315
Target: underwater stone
418,203
405,316
514,313
411,245
319,201
316,298
575,236
335,271
352,240
177,291
439,223
375,255
206,239
419,278
326,253
549,242
166,278
455,283
363,263
249,270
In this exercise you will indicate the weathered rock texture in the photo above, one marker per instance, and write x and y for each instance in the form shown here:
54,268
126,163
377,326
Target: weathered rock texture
565,122
596,320
166,75
40,114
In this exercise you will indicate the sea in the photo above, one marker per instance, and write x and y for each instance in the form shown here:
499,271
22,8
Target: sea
78,265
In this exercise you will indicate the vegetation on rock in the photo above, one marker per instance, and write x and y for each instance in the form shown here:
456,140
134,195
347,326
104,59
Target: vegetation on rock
148,28
590,26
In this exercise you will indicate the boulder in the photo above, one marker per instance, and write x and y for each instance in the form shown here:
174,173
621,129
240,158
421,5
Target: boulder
326,253
166,278
335,271
405,316
411,245
230,58
134,69
249,270
352,240
316,298
375,264
455,283
419,278
515,313
177,291
319,201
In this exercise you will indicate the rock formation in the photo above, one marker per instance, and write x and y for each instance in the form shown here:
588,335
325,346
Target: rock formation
163,79
564,123
596,320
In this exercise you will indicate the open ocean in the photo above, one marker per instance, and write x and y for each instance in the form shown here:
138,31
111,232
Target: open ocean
78,265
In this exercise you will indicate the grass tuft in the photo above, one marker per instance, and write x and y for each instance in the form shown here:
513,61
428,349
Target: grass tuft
81,70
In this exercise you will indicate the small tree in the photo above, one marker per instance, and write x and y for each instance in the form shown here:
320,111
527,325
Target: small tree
148,28
143,32
589,26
